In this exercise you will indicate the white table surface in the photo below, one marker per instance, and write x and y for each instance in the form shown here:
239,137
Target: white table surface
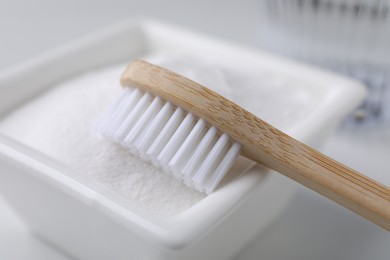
310,228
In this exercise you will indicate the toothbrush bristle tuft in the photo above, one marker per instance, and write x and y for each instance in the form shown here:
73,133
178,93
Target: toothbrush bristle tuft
171,138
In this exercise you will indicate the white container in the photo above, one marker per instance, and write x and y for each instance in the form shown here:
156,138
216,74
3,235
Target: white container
84,219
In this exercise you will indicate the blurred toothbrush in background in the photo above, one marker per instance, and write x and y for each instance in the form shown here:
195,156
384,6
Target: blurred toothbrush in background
347,36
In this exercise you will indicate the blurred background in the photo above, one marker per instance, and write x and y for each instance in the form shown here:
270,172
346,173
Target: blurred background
346,36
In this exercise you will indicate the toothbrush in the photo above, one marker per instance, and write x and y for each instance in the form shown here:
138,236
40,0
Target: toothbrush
196,135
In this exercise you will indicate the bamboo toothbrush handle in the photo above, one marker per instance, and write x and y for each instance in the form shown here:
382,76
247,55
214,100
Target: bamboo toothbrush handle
267,145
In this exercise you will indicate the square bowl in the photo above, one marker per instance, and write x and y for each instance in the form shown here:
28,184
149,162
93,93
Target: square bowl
88,221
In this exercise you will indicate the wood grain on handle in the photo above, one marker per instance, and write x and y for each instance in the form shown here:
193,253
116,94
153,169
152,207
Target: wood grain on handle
267,145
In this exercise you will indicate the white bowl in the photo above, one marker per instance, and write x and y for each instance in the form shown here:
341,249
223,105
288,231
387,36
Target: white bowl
88,221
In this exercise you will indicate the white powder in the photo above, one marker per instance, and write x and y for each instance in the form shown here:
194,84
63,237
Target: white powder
61,123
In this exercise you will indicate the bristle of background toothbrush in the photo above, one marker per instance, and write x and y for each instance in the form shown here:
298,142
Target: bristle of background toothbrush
185,146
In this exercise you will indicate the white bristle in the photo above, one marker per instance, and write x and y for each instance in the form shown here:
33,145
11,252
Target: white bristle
176,140
147,137
165,135
150,112
122,112
199,155
133,117
223,168
113,110
171,138
211,162
177,163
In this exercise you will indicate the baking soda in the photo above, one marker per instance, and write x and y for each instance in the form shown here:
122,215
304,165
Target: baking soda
61,124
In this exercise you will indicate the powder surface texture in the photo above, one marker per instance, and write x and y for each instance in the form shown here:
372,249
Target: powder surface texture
61,124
